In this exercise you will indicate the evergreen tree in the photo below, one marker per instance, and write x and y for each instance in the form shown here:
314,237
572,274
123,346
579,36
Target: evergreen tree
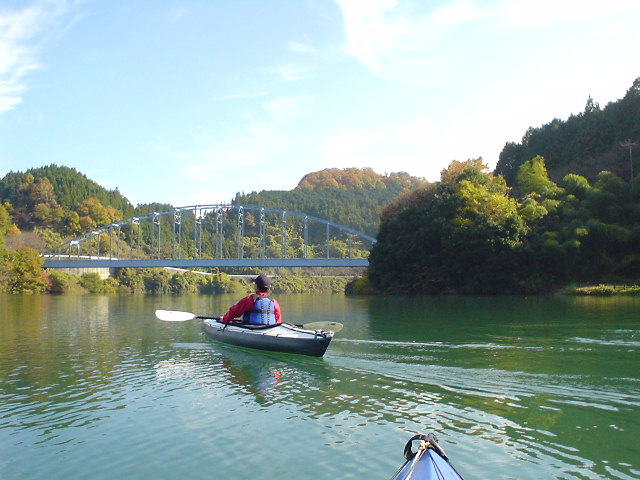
583,144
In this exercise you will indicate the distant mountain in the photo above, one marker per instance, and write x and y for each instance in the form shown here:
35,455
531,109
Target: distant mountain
57,197
586,144
351,197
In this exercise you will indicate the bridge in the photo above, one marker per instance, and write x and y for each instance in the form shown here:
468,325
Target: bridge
220,235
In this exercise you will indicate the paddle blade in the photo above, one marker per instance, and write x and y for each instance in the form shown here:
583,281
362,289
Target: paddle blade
335,327
173,316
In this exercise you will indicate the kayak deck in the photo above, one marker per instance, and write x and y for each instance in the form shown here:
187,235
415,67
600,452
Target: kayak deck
283,338
429,462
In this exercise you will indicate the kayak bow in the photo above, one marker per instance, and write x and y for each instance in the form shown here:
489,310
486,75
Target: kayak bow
429,462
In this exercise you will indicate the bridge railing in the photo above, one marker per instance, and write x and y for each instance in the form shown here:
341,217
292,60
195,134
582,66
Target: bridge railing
220,232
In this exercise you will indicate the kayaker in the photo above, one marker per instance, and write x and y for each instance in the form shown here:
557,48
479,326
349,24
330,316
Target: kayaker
256,309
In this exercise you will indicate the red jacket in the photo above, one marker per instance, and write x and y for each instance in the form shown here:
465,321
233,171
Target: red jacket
246,305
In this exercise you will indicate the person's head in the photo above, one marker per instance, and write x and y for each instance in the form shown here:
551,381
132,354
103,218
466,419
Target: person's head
263,283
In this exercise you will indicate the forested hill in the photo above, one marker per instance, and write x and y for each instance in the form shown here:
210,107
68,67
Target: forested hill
69,188
351,197
585,144
58,202
65,201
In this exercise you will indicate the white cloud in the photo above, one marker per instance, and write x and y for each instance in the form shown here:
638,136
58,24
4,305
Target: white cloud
22,32
230,151
535,13
417,147
349,149
485,70
17,55
403,42
286,109
403,45
301,47
291,72
230,161
455,13
370,36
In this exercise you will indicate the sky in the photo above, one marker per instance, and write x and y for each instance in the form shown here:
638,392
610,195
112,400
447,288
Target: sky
189,102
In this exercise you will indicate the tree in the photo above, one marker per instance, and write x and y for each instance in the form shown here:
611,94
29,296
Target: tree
532,178
579,143
464,235
24,271
576,185
99,214
36,204
5,222
455,169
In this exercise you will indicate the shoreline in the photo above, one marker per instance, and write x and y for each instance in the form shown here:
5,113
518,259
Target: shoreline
601,290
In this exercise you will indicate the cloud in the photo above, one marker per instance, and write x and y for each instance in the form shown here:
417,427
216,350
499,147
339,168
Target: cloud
536,13
409,43
370,35
402,44
286,109
499,66
230,151
301,47
22,34
17,56
291,72
295,71
417,147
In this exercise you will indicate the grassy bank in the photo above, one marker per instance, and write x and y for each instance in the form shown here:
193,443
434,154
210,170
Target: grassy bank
603,290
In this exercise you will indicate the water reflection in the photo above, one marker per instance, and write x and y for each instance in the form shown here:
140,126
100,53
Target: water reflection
247,373
266,377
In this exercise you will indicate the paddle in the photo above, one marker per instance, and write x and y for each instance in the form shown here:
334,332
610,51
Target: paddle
175,316
335,327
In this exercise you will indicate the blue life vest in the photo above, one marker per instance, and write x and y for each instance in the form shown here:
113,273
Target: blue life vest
263,312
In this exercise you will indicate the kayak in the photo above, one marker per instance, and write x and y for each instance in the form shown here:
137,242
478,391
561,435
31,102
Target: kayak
283,337
429,462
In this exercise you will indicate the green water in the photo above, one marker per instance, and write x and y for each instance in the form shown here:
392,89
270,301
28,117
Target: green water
516,388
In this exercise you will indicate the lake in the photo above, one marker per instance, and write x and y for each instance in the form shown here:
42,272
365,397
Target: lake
514,387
